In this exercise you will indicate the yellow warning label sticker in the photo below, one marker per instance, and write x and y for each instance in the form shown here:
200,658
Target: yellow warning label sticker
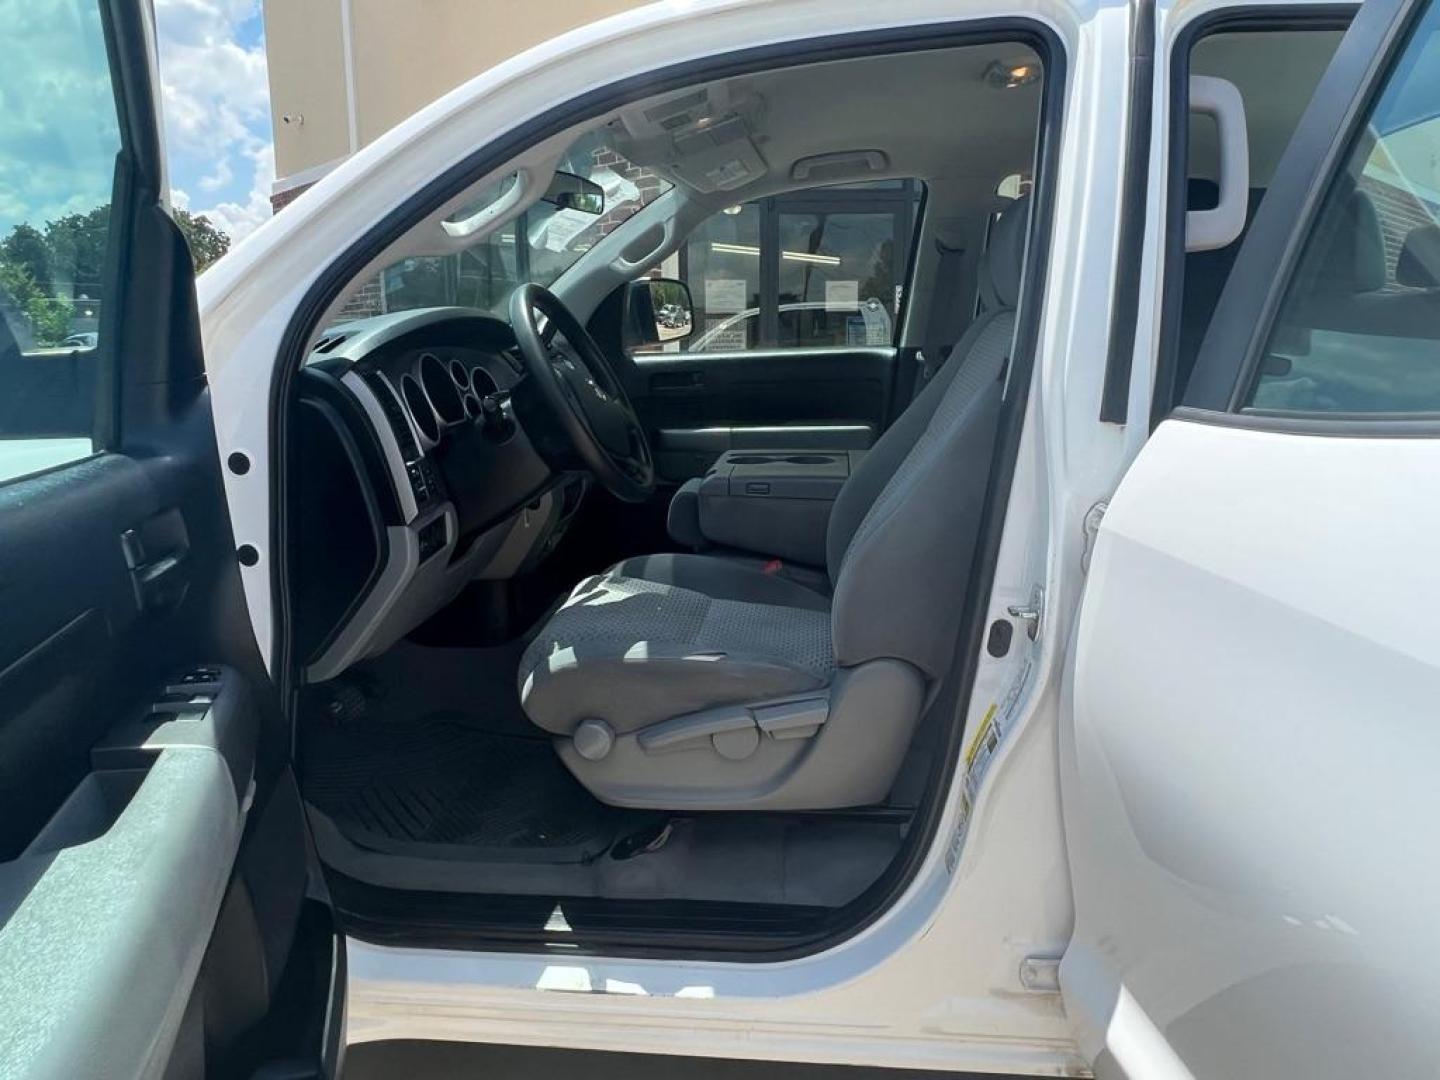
979,740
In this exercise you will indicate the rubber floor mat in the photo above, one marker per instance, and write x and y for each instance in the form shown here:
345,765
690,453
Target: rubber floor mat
443,781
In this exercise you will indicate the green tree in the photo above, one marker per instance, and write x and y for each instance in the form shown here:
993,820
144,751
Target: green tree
26,247
44,274
207,243
77,244
49,318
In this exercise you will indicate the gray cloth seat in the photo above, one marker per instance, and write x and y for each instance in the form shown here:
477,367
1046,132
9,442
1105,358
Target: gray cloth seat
695,681
666,635
735,577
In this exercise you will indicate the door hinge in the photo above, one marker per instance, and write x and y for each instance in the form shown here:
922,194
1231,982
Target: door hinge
1093,517
1029,614
1040,974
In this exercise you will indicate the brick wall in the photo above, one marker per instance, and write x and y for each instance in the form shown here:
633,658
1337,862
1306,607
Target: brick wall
647,182
282,199
366,301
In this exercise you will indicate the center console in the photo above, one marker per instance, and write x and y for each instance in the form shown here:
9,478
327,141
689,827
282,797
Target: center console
772,502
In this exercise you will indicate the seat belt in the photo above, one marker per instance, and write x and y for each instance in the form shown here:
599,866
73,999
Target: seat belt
943,298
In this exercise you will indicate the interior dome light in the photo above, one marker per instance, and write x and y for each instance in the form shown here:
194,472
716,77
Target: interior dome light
1007,76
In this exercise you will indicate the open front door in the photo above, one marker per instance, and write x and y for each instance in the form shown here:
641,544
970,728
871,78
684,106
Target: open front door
153,861
1249,766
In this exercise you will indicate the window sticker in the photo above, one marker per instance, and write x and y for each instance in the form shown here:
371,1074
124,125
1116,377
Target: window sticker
724,296
842,295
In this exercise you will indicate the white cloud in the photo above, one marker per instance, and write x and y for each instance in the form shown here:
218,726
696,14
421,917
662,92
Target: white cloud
239,218
222,176
217,110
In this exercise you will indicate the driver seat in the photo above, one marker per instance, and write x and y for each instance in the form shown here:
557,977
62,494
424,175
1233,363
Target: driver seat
698,682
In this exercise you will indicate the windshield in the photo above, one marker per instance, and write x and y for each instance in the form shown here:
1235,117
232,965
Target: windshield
539,245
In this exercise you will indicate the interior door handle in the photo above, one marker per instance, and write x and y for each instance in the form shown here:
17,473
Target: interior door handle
156,554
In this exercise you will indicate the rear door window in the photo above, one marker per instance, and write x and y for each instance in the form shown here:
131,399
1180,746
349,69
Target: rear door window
1358,331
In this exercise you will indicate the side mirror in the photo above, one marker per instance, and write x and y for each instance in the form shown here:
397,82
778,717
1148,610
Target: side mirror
657,311
570,192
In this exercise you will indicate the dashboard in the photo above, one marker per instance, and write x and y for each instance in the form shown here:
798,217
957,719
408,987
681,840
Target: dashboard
411,477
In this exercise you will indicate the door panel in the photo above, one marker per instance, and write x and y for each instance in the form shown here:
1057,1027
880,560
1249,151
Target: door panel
142,748
795,300
72,643
1250,779
1247,767
123,785
696,405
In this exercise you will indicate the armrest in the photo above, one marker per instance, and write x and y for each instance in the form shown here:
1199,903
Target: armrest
683,520
771,502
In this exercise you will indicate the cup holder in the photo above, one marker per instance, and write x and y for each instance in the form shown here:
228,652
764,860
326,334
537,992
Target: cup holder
777,459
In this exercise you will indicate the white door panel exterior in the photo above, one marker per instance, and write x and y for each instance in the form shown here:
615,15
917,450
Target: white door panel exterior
1255,691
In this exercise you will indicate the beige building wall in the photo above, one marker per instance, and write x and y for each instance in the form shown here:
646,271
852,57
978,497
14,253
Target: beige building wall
305,52
343,72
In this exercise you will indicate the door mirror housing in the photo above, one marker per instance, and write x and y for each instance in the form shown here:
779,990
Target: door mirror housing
657,312
570,192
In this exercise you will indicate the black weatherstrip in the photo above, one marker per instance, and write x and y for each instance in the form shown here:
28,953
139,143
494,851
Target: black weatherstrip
1125,305
834,926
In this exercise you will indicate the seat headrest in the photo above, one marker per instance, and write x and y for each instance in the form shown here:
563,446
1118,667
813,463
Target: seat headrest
1005,257
1354,259
1419,262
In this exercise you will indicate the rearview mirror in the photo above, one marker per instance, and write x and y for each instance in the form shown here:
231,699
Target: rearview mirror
570,192
658,311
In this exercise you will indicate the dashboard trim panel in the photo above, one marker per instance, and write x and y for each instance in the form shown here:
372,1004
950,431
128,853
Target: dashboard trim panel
480,502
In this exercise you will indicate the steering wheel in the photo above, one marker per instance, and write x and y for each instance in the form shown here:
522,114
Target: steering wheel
575,382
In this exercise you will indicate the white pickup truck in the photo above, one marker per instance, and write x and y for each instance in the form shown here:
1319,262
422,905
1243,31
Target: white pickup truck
513,598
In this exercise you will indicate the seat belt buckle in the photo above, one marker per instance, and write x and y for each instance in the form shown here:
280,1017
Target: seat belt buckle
773,567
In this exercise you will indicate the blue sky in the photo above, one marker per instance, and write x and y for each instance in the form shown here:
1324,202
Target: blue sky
217,109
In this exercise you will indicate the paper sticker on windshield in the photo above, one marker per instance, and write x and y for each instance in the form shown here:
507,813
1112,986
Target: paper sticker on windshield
842,295
725,296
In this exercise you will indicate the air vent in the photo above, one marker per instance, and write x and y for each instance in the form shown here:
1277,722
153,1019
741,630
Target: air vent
399,425
329,342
